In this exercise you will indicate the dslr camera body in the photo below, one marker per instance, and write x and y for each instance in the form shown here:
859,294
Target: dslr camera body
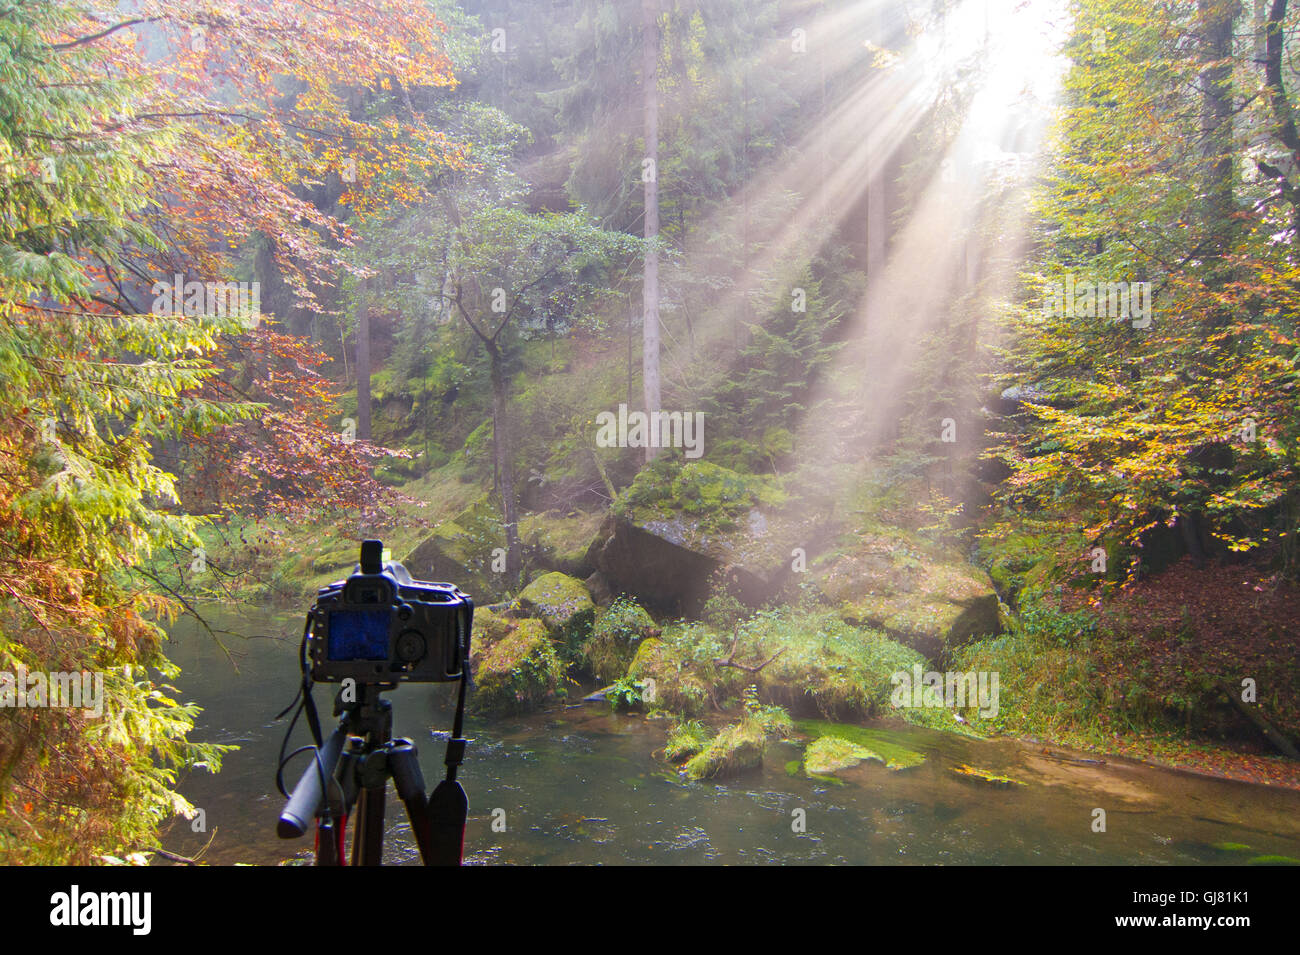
381,626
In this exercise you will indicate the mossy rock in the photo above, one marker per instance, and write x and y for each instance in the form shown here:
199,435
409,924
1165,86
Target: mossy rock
847,745
736,749
686,739
518,670
1016,561
563,603
560,541
920,594
491,625
615,637
464,558
677,688
679,523
829,754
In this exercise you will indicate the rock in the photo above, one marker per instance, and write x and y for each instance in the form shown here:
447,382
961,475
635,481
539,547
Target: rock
677,524
677,687
599,589
737,748
461,555
516,670
562,602
617,633
560,541
921,595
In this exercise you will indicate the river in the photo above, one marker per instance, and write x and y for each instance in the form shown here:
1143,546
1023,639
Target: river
582,785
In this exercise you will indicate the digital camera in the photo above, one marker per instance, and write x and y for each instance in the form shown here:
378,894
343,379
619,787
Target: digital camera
380,626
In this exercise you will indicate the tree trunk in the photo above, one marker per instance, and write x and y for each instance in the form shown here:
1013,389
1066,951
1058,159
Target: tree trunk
1217,17
363,366
650,282
877,223
504,464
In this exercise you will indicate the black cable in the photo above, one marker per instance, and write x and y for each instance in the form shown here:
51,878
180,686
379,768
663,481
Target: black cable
305,702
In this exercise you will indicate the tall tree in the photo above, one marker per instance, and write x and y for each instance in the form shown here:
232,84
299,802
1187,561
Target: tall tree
515,274
650,176
1181,404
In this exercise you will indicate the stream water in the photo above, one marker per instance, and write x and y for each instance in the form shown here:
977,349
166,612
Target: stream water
583,785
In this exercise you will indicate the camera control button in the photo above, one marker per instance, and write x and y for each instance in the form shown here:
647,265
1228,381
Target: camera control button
410,646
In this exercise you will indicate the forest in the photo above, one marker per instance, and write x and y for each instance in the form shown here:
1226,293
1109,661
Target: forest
754,366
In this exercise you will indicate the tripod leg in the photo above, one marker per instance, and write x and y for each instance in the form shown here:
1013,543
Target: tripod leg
404,765
368,839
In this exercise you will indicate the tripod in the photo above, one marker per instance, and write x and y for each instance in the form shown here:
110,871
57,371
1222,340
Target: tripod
352,783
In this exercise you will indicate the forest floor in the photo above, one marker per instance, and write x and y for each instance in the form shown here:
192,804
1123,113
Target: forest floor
1204,759
1205,631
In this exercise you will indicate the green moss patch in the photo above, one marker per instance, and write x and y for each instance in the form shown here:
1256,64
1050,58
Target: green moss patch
563,604
736,749
854,744
615,638
519,670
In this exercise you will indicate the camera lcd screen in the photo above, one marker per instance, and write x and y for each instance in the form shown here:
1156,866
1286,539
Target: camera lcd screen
358,634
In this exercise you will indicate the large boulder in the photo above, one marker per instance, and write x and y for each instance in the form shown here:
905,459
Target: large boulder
462,551
678,524
560,540
920,594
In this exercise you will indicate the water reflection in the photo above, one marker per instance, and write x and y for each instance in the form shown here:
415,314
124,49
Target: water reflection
582,785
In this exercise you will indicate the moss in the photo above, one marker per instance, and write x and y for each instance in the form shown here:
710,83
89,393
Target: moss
462,556
490,626
518,671
737,748
1015,558
563,603
696,487
677,688
560,541
615,637
829,754
723,514
843,740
